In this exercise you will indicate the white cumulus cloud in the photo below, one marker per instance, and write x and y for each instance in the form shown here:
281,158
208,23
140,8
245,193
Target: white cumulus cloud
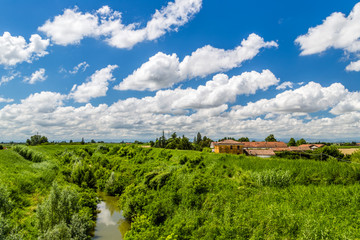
337,31
306,99
164,70
37,76
353,66
15,49
216,92
72,26
97,85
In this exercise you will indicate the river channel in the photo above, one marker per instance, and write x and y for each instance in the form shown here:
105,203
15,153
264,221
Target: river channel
110,223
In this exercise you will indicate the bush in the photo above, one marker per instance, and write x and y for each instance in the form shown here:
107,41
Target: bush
29,154
60,216
273,178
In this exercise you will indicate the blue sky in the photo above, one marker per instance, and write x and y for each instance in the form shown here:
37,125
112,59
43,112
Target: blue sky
126,70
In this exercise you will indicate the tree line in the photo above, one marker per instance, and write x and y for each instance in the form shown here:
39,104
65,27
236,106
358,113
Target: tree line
182,143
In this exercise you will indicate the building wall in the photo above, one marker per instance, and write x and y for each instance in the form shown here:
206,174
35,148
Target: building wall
232,149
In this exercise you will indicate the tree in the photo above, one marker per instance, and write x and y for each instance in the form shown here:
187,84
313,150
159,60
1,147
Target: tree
82,141
93,141
270,138
300,142
244,139
36,140
291,142
198,138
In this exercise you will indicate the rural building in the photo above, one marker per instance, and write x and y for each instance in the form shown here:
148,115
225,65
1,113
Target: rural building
311,146
263,153
263,145
293,149
235,147
227,146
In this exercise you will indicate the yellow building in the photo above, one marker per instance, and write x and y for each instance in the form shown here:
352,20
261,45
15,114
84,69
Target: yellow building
228,146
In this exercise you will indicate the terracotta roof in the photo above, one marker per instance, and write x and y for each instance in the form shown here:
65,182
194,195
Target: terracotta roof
260,152
264,145
292,148
228,142
310,145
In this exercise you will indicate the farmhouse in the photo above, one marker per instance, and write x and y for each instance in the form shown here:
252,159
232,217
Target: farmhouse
227,146
311,146
257,148
264,145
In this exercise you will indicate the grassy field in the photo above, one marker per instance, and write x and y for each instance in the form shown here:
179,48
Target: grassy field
180,194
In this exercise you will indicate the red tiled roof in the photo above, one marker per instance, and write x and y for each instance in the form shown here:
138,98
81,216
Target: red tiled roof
292,148
260,152
264,145
228,142
310,145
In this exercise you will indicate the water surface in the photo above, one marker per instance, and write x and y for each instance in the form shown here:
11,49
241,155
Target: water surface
110,223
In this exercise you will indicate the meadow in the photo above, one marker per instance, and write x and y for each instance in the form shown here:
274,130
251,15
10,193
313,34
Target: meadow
176,194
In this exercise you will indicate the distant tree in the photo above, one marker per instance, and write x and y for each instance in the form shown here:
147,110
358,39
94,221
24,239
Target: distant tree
71,141
270,138
82,141
185,143
227,138
300,142
197,138
291,142
93,141
244,139
36,140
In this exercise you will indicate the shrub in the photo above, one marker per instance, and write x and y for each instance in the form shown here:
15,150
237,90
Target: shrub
273,178
29,154
60,216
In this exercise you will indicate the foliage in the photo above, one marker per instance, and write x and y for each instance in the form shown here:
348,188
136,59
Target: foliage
355,157
29,154
60,215
181,194
244,139
300,142
182,143
270,138
291,142
83,175
329,151
36,140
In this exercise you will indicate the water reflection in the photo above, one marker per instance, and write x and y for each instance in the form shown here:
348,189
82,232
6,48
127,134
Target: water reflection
110,223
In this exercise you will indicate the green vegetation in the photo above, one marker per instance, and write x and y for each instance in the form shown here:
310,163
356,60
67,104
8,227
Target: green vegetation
36,140
177,194
182,143
270,138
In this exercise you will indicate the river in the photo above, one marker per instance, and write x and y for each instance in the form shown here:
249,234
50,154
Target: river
110,223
